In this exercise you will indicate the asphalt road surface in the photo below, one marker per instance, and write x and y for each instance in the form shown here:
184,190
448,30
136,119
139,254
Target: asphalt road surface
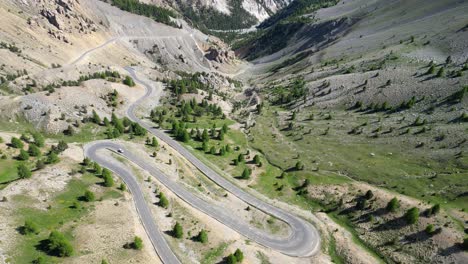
303,239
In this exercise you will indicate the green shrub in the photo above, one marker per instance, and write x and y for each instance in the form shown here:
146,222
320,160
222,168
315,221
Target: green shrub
34,151
40,164
96,118
441,72
369,195
231,259
299,166
61,146
16,142
431,70
213,150
89,196
129,81
393,205
154,142
239,255
23,171
246,174
58,245
39,260
430,229
107,176
203,237
97,168
52,158
137,243
256,159
433,210
23,155
412,215
30,227
177,230
163,201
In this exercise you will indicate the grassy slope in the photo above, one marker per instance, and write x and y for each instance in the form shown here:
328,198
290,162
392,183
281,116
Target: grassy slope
59,216
8,170
403,170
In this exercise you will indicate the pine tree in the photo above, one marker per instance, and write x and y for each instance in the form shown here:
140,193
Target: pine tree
154,142
369,194
97,169
221,135
86,161
61,146
30,227
224,128
58,245
185,136
163,201
205,136
118,125
38,139
52,158
222,151
203,236
239,255
40,164
441,72
412,215
177,230
34,151
137,243
16,143
23,171
89,196
129,81
107,176
431,70
299,166
106,122
205,146
23,155
95,118
430,229
231,259
246,174
393,205
256,159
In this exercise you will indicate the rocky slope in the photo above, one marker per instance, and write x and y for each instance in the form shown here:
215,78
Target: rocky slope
63,41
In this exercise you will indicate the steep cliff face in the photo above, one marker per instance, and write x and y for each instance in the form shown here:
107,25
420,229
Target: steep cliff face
263,9
226,14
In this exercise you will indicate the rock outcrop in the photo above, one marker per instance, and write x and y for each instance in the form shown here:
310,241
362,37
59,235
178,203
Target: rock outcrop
60,18
220,55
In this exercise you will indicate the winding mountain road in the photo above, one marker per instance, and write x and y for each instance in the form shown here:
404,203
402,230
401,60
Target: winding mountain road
303,239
